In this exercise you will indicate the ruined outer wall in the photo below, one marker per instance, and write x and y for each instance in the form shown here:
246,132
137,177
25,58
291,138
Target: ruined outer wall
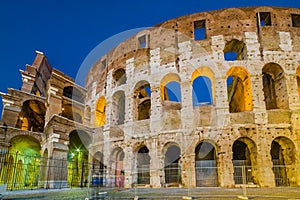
176,52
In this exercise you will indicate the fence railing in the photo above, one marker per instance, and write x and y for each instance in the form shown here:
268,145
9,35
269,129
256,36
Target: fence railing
18,171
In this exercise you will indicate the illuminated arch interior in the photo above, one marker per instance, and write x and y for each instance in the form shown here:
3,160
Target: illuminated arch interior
32,116
100,111
239,90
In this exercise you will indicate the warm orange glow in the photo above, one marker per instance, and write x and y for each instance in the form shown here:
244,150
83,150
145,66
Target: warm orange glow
244,76
100,111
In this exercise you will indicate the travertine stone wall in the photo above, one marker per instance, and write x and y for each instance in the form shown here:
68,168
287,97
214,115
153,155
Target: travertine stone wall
171,49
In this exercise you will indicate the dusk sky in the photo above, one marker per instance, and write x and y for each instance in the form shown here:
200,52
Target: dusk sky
67,31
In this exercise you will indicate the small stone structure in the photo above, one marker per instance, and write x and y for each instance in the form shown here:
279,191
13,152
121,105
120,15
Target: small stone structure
201,100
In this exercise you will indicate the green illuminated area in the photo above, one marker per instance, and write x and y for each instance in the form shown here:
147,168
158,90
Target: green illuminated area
23,160
78,158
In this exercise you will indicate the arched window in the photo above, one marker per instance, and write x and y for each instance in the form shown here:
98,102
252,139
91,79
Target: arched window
170,88
119,77
142,101
32,116
235,50
72,113
239,90
100,111
118,108
203,86
73,93
274,87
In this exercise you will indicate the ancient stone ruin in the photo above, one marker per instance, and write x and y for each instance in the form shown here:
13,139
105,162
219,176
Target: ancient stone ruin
206,99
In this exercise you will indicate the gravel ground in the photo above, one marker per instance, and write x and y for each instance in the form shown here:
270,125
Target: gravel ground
156,194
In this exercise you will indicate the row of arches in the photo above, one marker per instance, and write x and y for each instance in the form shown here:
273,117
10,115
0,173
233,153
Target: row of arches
207,163
25,167
32,114
239,92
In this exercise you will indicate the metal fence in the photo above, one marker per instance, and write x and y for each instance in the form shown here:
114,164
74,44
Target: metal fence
18,171
206,173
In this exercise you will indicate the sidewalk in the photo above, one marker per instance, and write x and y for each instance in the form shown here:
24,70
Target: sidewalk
160,193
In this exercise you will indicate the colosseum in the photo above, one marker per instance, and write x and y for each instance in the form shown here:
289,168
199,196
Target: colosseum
206,99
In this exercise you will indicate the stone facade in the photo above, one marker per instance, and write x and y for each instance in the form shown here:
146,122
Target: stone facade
243,122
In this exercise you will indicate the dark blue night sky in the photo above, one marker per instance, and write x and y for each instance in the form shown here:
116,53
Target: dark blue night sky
67,31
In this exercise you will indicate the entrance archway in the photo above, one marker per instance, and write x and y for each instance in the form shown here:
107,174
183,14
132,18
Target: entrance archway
244,152
172,167
283,157
206,165
78,171
22,167
143,166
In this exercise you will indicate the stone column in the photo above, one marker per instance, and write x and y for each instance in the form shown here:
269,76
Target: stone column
222,105
57,173
292,88
187,118
156,110
54,102
156,104
263,170
224,160
259,106
155,168
129,167
188,170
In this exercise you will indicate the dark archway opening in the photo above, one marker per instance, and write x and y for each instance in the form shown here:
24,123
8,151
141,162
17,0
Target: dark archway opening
143,166
206,165
241,162
172,168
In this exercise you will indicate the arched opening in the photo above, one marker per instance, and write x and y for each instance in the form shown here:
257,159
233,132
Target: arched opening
32,116
119,167
70,112
239,90
23,167
274,87
143,166
142,101
170,88
118,108
203,86
119,77
172,167
73,93
202,91
243,158
98,170
206,165
79,142
235,50
283,158
100,111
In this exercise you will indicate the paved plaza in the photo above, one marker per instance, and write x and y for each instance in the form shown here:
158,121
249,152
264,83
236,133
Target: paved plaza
162,193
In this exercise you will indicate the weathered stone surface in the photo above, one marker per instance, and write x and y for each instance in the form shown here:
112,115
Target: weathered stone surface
127,114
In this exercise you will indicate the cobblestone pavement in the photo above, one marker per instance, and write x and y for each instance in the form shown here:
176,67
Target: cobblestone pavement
156,194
